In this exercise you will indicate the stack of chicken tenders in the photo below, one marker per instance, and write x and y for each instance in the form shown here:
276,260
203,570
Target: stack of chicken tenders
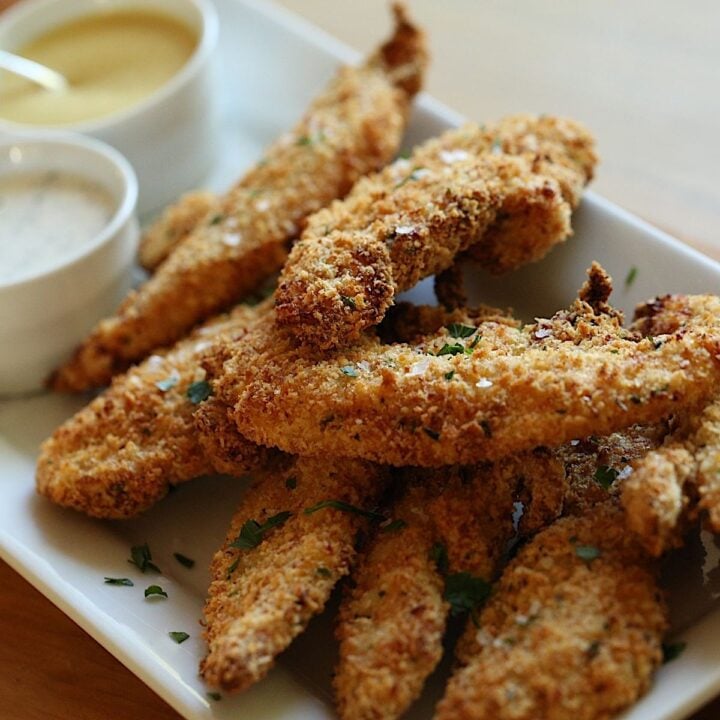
444,464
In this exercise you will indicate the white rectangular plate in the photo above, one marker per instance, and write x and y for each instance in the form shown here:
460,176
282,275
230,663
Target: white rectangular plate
271,64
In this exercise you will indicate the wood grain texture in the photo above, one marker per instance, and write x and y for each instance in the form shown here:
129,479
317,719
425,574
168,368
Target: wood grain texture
642,77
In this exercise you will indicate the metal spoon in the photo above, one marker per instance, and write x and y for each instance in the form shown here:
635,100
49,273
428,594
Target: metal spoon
33,71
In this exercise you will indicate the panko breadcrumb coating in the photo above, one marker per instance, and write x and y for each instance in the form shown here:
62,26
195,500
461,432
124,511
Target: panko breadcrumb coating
174,225
572,632
354,127
265,590
121,453
467,394
505,189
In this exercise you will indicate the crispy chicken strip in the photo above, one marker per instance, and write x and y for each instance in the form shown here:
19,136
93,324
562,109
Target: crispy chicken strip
572,632
507,190
121,453
392,620
354,127
279,564
174,225
466,394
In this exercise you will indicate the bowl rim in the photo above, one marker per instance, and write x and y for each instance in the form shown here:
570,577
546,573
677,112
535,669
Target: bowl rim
124,212
208,36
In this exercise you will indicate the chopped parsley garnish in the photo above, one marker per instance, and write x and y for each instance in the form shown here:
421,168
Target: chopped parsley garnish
291,483
126,582
438,554
458,330
465,592
233,567
168,383
217,219
404,155
178,636
456,349
348,301
345,507
605,476
394,526
630,277
184,560
450,375
588,553
199,391
214,696
155,591
141,556
414,175
671,651
349,370
252,532
304,140
323,572
434,434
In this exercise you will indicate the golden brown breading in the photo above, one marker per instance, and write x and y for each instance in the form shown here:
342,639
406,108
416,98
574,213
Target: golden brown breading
354,127
262,597
392,619
121,453
174,225
572,632
507,190
461,399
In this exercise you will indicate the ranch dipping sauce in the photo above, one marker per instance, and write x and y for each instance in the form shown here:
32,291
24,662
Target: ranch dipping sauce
47,217
112,60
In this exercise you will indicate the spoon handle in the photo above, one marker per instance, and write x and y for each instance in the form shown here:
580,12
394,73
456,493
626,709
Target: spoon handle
31,70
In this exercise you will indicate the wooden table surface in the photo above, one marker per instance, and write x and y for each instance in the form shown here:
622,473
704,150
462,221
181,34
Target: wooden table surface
643,77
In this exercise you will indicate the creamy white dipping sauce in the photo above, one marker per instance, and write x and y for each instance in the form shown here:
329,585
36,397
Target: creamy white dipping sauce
45,217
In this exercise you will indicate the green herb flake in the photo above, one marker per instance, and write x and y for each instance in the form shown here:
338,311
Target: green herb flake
672,651
588,553
394,526
178,636
605,476
141,557
168,383
465,592
345,507
348,301
439,555
155,591
217,219
232,568
414,175
125,582
450,375
323,572
214,696
304,140
434,434
252,532
291,483
458,330
185,561
630,277
199,391
456,349
349,370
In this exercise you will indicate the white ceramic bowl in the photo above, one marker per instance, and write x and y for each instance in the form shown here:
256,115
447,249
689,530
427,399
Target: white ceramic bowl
169,136
45,315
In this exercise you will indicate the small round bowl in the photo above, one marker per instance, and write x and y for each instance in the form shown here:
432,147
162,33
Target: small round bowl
45,315
168,137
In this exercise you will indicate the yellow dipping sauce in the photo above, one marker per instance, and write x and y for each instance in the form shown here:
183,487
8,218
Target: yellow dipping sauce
112,60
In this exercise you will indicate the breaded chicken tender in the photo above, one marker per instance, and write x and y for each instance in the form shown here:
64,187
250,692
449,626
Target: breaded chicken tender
455,524
572,632
174,225
469,393
279,562
354,127
505,189
121,453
